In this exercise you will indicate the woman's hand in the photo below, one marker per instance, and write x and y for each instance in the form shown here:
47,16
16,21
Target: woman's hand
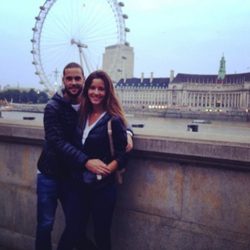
112,166
97,166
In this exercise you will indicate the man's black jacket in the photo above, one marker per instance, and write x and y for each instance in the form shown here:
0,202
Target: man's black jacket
61,156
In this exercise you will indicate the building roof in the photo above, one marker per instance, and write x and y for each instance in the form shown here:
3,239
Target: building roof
159,82
195,78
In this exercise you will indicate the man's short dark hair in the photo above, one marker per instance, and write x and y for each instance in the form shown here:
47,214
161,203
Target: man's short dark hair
73,65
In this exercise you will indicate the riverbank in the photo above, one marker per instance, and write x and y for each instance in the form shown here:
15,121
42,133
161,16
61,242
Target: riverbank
216,114
188,114
33,108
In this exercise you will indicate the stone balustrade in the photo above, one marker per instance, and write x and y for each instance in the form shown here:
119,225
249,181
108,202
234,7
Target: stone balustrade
177,193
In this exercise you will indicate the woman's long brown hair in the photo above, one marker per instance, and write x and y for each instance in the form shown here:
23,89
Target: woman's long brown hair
111,102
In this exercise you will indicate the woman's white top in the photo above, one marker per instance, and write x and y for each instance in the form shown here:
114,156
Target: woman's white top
88,128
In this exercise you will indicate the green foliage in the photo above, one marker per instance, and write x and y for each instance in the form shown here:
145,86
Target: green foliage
17,96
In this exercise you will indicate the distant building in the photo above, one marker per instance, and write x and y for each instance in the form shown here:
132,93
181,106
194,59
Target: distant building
118,61
143,93
6,87
192,92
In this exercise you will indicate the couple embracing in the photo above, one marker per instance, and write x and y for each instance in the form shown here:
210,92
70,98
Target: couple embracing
76,165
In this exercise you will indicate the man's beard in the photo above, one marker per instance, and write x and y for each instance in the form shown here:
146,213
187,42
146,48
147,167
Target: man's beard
75,95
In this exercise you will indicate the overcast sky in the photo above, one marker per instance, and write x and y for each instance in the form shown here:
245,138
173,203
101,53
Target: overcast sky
188,36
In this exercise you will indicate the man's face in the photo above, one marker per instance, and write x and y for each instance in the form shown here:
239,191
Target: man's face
73,81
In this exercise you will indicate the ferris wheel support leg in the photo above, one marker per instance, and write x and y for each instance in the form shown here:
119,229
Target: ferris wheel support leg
80,55
86,62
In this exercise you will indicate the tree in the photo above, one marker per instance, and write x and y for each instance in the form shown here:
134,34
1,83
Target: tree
18,96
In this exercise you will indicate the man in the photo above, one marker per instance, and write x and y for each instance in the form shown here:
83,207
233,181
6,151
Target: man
62,160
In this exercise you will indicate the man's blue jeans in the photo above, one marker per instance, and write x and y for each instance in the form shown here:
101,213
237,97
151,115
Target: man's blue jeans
48,193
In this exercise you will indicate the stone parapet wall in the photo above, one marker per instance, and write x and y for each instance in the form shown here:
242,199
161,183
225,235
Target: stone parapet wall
177,193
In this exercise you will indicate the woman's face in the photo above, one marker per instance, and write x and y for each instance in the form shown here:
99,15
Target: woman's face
96,92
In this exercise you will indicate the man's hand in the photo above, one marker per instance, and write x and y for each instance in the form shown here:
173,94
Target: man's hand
97,166
130,143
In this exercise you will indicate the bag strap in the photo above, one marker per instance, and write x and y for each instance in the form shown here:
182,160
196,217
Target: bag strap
118,173
111,144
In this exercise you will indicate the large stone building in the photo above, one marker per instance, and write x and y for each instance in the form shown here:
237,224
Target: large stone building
118,61
143,93
188,92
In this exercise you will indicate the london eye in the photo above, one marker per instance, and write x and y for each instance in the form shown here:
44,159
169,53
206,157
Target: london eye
79,31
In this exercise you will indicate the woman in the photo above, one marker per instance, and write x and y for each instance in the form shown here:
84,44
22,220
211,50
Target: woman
99,106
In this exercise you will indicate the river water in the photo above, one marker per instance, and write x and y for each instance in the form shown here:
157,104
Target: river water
167,127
